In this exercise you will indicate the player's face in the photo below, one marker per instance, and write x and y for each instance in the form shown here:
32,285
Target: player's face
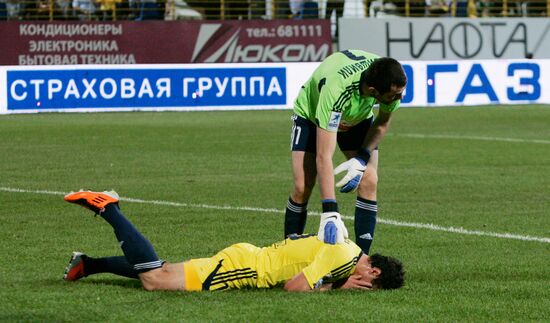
366,270
395,93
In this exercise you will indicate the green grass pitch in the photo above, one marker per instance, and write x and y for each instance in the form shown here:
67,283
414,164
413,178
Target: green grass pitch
197,182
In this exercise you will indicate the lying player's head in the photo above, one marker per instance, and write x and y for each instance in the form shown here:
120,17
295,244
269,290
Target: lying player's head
384,79
379,272
392,274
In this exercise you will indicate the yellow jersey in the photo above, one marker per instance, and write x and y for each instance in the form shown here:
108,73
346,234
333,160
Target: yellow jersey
243,265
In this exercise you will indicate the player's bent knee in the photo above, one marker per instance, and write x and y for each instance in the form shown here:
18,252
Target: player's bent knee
168,277
151,280
300,196
301,193
369,182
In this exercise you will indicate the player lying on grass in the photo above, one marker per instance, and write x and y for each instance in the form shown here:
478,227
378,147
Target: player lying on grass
299,263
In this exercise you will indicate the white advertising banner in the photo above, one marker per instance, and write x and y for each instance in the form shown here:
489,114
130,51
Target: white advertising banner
194,87
455,83
448,38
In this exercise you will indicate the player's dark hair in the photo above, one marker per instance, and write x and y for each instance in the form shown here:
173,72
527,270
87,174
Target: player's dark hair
392,275
383,73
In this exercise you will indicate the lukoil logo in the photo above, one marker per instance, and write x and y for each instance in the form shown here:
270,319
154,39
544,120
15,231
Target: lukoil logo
222,43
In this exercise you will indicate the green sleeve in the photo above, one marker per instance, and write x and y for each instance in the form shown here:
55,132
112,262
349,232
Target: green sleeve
326,115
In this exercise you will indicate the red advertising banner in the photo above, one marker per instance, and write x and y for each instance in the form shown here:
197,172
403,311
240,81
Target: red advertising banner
164,42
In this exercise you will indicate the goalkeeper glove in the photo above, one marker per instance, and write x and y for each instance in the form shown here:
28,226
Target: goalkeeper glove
332,229
356,168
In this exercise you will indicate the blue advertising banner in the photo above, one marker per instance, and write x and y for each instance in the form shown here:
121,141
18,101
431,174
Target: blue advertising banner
142,88
254,86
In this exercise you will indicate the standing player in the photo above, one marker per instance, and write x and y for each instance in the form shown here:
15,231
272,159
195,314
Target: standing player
335,106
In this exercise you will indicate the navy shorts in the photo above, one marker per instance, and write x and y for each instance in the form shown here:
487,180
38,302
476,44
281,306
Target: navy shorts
304,135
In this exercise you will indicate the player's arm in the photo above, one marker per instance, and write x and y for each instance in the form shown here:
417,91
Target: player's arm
328,115
378,130
355,167
321,266
330,261
326,144
299,283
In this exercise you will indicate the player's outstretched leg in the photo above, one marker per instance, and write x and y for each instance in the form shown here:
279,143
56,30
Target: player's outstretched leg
137,249
81,265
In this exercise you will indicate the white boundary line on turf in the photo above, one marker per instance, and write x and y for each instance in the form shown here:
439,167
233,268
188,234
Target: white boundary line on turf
422,136
428,226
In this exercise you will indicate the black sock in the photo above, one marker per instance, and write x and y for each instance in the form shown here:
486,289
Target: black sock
115,265
138,251
365,221
295,217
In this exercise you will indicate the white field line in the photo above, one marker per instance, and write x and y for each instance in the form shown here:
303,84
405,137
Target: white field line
423,136
427,226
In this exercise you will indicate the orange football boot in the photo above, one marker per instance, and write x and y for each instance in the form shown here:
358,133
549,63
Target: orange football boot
75,268
95,201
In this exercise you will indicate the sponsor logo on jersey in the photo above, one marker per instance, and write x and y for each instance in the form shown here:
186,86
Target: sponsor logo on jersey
334,121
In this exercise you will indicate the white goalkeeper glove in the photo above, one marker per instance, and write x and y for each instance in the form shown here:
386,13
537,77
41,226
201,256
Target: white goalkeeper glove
356,168
332,229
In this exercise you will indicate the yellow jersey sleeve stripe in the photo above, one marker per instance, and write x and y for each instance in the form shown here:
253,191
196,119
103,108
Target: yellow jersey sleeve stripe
344,269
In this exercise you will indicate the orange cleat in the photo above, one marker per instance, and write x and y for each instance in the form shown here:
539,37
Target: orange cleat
95,201
75,269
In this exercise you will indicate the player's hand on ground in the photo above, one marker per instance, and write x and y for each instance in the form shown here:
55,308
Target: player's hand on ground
355,168
332,229
355,282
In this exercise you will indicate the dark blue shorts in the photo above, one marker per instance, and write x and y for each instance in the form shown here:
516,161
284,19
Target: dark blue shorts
304,135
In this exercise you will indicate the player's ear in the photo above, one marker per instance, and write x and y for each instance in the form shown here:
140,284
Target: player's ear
372,91
375,271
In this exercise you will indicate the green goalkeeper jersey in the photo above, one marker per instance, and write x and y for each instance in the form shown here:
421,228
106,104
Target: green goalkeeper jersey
331,97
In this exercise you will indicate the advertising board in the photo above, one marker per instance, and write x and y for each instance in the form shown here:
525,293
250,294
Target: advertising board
193,87
457,38
164,42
